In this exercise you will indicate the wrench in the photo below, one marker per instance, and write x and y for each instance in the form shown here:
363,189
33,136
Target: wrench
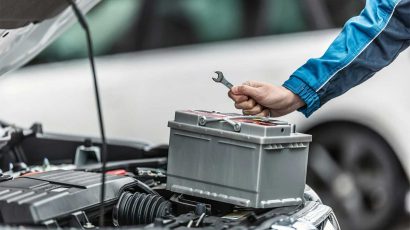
221,79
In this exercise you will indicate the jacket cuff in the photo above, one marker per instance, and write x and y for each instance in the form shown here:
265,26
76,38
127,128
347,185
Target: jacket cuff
305,92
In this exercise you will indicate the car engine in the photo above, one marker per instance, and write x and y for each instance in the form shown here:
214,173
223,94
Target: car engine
66,198
44,184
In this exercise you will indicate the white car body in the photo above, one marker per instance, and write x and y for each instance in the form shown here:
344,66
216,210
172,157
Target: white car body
141,91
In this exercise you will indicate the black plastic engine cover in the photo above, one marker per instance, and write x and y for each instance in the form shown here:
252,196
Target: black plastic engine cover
36,198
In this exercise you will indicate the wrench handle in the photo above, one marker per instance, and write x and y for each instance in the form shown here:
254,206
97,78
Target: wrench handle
228,85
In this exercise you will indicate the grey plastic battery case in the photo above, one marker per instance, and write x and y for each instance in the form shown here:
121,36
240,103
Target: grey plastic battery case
242,160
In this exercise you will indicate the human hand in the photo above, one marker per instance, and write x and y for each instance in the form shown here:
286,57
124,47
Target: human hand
263,99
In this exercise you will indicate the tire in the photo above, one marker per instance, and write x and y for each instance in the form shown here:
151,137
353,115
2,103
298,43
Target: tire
356,172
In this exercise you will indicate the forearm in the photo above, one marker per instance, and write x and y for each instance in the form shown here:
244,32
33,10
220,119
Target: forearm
366,44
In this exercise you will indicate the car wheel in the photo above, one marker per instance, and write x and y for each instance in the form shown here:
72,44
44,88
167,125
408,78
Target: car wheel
357,173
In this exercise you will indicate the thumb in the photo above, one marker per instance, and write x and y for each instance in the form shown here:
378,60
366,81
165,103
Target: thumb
246,90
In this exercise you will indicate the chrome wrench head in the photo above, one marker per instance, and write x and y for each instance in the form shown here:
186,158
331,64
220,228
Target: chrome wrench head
221,79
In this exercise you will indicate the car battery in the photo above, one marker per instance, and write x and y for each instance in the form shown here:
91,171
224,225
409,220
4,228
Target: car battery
242,160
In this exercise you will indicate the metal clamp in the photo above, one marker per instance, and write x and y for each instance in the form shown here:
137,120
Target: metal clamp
203,120
235,125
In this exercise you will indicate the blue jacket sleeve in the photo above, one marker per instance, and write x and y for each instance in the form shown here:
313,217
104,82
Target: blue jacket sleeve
366,44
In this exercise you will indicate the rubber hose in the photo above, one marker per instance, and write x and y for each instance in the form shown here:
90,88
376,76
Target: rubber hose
139,208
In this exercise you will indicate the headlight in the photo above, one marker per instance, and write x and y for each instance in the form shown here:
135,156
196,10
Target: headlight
314,216
331,223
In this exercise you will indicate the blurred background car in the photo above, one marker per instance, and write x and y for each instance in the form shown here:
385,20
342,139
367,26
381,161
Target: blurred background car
158,56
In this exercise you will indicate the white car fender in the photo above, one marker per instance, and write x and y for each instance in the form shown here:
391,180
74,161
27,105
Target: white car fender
389,125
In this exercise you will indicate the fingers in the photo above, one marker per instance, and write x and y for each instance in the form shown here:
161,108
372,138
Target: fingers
250,107
246,90
257,109
248,97
241,93
237,98
246,105
264,113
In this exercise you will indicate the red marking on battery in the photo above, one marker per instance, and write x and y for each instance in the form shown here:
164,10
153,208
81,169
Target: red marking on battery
31,173
118,172
254,121
207,114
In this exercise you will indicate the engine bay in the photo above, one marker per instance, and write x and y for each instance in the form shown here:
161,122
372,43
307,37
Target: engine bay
42,185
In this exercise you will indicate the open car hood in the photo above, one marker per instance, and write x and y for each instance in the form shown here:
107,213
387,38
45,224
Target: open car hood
29,26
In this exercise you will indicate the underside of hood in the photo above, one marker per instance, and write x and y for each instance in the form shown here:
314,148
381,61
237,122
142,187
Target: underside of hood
19,13
29,26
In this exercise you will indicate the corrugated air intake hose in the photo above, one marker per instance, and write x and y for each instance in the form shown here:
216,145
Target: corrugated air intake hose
139,208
